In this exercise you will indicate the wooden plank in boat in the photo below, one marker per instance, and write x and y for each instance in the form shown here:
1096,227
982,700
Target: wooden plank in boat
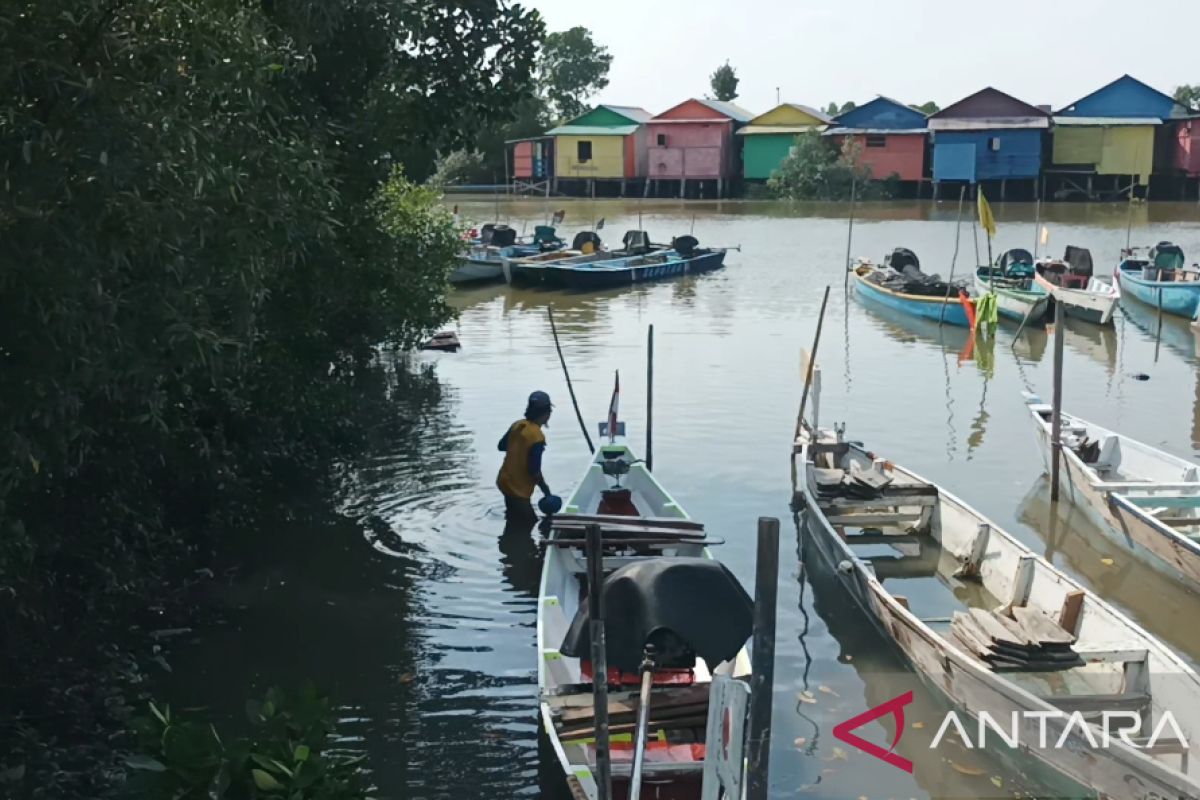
976,638
1040,628
619,521
1072,607
649,541
1099,703
881,538
887,501
1016,630
994,629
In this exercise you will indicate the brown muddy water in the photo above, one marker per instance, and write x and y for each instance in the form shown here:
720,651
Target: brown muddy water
412,610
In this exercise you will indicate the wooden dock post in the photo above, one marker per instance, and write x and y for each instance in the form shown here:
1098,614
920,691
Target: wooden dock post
1056,412
650,399
762,680
595,571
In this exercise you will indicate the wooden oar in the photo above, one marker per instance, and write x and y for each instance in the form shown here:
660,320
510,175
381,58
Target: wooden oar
567,375
643,720
812,361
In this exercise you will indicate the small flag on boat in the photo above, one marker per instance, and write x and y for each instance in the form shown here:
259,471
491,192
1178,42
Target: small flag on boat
600,224
559,215
612,405
1045,235
986,220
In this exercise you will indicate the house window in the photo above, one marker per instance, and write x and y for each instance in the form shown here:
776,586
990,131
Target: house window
876,140
583,151
994,143
662,140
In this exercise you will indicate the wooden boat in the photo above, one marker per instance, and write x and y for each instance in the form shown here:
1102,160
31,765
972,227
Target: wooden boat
1025,643
533,270
443,341
1070,281
1146,499
484,258
684,258
1160,278
646,534
885,286
1018,297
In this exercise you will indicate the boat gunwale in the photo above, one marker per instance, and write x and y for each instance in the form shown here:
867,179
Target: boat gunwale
952,300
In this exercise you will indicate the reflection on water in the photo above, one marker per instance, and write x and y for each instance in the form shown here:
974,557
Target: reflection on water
419,614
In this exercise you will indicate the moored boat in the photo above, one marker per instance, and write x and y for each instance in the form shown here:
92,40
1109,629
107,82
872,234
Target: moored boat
1070,281
1147,500
1018,297
661,588
1055,666
484,258
1159,278
684,257
586,248
901,285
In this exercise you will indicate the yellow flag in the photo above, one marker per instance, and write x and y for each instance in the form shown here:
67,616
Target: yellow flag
986,220
1045,235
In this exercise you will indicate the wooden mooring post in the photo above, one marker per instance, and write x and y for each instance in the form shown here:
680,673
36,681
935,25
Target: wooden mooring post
650,399
593,545
762,680
1056,411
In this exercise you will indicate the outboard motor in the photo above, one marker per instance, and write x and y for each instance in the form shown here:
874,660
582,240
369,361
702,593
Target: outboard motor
685,245
585,237
1079,259
486,232
636,243
902,257
504,236
1165,255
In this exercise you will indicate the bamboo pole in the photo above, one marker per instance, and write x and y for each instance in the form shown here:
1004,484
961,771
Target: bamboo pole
1056,410
850,232
811,364
962,193
1037,221
567,375
650,399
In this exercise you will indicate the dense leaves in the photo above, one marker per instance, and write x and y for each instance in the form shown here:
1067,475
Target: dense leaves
205,242
817,170
286,755
573,68
927,108
724,82
1188,95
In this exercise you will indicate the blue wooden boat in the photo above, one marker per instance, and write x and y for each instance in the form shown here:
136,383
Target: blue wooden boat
870,283
534,270
1160,278
684,259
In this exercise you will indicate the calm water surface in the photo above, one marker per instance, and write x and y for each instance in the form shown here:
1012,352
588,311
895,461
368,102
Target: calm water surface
409,608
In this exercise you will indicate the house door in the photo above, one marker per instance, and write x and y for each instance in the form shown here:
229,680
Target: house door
954,162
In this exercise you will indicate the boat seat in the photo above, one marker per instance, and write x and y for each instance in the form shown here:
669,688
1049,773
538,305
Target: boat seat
1135,691
554,629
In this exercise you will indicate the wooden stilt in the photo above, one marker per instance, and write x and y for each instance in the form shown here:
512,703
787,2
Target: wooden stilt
762,680
1056,411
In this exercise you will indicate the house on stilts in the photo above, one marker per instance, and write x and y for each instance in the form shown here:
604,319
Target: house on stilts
602,152
890,138
768,138
691,149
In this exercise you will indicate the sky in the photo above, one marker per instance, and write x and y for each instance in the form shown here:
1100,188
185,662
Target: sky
1041,51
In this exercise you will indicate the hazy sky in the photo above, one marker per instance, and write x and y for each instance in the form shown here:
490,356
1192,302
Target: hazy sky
1042,51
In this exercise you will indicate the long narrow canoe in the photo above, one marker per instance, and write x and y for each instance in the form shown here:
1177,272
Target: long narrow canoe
643,527
637,269
1179,296
1025,644
1147,500
927,306
1015,299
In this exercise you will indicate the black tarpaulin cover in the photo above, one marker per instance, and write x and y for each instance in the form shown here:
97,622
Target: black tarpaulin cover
665,601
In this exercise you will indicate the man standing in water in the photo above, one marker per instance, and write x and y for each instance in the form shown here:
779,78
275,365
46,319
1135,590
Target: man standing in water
521,471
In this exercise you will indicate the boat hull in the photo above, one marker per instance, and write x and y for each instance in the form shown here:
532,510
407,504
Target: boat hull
599,276
1015,304
1179,299
1124,522
471,270
916,305
973,688
1091,305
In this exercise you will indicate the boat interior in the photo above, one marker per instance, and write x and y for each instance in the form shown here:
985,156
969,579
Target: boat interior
1073,271
1164,263
651,550
941,564
1013,270
1156,483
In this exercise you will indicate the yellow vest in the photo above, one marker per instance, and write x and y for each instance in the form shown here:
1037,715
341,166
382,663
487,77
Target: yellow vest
514,478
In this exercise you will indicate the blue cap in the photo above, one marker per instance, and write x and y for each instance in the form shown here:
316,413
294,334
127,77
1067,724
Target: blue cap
540,400
550,504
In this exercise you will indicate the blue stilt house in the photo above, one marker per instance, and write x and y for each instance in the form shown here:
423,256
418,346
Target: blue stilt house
989,137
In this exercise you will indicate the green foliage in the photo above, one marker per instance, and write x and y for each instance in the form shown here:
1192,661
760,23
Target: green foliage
205,242
724,82
457,167
286,755
927,108
833,109
1188,95
817,170
572,69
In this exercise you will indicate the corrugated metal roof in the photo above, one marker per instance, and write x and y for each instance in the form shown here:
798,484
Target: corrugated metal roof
751,130
592,130
885,131
635,113
1106,121
987,124
728,108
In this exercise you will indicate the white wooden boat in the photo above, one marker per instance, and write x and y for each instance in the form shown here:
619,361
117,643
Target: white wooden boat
1017,299
1070,281
1147,500
478,266
1026,645
644,528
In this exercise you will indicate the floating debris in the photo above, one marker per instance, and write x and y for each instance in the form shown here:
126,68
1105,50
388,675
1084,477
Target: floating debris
443,341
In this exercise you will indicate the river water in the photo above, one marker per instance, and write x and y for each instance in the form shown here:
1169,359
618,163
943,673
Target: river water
406,605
